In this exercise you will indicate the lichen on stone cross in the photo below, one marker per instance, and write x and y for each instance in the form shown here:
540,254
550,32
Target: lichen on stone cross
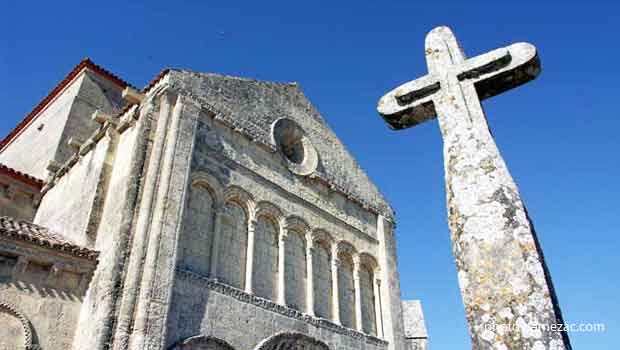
507,291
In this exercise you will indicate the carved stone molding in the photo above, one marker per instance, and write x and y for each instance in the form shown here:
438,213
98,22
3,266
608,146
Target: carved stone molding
242,296
12,310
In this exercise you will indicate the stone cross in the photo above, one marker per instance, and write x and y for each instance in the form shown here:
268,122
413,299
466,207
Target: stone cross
506,288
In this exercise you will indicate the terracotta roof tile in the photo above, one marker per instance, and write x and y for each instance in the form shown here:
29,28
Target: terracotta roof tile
23,177
41,236
155,80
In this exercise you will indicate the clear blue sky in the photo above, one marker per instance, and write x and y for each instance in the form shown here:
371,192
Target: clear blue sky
558,134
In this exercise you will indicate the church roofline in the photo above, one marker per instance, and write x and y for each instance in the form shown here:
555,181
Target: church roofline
21,177
41,236
86,63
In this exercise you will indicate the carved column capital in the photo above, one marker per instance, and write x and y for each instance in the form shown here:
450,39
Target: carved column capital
252,224
283,234
334,250
336,263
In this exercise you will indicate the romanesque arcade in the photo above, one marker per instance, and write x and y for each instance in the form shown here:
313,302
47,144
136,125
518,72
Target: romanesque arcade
254,247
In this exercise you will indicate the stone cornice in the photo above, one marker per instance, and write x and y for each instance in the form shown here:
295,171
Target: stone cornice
41,237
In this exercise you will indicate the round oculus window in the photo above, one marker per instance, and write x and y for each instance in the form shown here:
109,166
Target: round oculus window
297,150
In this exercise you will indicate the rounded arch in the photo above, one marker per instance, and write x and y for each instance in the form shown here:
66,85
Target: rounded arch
322,237
269,211
237,211
195,243
296,223
241,197
295,268
266,249
202,342
344,247
211,183
322,273
12,310
368,271
347,257
369,261
291,341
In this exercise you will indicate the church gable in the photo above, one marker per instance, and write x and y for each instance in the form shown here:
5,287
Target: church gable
257,109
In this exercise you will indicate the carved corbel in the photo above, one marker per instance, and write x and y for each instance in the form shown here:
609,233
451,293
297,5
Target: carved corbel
52,168
128,119
75,143
20,267
55,273
101,117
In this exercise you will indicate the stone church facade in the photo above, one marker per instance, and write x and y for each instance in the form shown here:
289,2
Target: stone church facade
202,212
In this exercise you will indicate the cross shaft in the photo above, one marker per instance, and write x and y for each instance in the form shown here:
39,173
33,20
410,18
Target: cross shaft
506,289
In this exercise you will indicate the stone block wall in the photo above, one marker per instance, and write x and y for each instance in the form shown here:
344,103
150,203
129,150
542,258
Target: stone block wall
40,296
18,199
68,115
203,307
416,337
71,206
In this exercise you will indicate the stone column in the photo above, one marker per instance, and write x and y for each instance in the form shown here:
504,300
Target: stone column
358,293
216,240
149,114
309,278
249,258
281,272
378,313
335,297
161,204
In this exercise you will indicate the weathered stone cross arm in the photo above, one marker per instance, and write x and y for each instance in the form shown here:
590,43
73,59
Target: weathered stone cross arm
491,73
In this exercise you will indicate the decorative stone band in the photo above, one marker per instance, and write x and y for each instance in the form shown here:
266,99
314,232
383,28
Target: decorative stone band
272,306
27,328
